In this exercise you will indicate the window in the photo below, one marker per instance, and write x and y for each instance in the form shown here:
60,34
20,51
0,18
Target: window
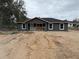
43,25
34,25
61,27
23,26
40,25
50,26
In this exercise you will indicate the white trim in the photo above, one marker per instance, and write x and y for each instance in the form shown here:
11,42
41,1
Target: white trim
49,27
60,27
22,26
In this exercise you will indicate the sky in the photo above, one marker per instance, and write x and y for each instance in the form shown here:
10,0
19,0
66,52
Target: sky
60,9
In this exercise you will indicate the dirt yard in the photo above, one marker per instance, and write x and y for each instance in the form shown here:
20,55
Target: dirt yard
40,45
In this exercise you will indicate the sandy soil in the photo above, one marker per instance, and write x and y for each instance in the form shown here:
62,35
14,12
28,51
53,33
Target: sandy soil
40,45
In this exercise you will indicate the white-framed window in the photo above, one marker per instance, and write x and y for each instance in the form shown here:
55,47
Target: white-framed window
23,26
61,26
50,26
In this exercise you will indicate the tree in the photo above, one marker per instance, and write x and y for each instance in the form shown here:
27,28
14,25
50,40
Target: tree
11,10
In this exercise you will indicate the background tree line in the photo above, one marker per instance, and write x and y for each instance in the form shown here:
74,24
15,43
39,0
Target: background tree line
10,11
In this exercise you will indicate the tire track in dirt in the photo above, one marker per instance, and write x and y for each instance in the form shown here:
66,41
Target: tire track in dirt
21,48
63,52
38,49
37,45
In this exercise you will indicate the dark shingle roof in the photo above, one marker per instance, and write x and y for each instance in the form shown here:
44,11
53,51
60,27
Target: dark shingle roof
53,20
49,20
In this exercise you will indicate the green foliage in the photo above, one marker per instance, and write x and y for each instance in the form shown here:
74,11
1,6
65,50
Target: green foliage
10,10
75,27
8,32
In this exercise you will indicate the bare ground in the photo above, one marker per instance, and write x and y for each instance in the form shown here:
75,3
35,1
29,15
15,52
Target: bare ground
40,45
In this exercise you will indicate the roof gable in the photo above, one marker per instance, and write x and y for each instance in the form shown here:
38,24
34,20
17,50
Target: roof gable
37,18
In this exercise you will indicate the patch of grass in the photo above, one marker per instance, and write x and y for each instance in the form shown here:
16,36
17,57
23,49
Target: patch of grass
13,32
8,32
1,33
28,32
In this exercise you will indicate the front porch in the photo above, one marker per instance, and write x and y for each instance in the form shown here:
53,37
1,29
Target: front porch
37,27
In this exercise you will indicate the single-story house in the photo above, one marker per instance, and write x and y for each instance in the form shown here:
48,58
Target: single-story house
43,24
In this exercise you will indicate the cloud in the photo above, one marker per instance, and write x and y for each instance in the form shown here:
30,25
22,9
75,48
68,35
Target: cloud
62,9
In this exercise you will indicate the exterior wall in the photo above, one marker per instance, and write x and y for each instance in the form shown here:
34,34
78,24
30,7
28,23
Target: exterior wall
38,21
56,27
19,27
66,27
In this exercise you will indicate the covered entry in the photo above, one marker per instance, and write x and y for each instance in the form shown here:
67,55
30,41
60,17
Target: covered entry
37,27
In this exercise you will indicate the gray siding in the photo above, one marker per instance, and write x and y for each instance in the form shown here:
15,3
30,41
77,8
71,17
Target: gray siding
19,26
66,26
56,27
37,21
